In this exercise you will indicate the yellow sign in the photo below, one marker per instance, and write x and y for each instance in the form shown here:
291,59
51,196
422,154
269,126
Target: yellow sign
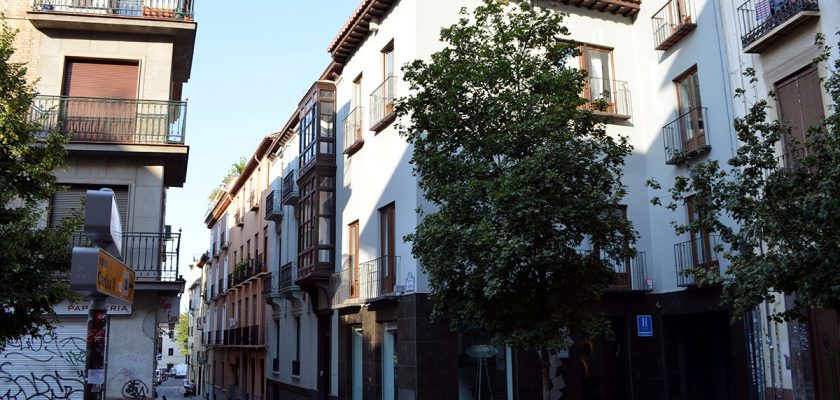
114,278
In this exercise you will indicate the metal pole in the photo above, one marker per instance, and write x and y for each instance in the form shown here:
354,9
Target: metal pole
97,329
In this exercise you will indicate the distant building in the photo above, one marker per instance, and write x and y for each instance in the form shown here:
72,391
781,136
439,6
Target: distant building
110,76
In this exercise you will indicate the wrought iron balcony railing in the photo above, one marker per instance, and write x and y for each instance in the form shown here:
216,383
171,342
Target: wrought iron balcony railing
152,9
608,96
353,131
273,206
685,137
238,218
373,280
673,22
699,253
253,200
152,255
631,274
382,104
290,189
761,20
88,119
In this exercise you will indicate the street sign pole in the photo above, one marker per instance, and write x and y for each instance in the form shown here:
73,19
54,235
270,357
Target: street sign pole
99,273
97,330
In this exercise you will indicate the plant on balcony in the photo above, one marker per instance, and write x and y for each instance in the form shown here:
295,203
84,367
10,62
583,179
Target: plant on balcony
779,222
234,171
240,269
519,174
30,255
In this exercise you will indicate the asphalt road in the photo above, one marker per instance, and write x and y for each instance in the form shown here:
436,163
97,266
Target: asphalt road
173,389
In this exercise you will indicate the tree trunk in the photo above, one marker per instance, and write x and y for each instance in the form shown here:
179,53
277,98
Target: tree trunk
545,367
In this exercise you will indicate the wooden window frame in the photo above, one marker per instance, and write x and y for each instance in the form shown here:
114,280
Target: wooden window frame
387,246
701,256
583,61
695,112
353,251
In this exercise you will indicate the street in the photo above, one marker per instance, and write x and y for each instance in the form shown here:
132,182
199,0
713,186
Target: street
172,389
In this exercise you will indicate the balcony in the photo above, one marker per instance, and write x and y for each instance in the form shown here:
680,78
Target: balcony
685,137
763,22
152,256
224,243
698,255
673,22
627,8
180,10
214,249
246,270
608,97
238,218
98,120
382,104
353,138
291,193
253,201
273,207
375,280
631,275
282,284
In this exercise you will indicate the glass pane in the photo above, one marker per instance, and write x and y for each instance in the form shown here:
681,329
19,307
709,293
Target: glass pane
389,63
324,255
325,231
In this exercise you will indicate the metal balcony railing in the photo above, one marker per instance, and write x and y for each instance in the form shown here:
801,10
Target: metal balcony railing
685,137
698,253
240,220
608,96
152,255
759,18
152,9
273,207
672,22
631,274
374,280
382,103
225,240
288,275
353,130
88,119
290,189
253,200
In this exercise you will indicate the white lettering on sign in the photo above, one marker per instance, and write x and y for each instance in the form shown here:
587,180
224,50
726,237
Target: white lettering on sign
83,307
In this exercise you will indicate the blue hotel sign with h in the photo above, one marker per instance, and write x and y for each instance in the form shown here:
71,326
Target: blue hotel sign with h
644,325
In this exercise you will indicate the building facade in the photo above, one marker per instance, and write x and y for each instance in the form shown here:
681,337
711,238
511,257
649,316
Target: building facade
109,75
348,311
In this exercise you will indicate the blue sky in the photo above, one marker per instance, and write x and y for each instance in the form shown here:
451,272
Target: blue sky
253,62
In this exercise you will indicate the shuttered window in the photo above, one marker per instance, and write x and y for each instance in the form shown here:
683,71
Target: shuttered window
98,78
800,104
64,202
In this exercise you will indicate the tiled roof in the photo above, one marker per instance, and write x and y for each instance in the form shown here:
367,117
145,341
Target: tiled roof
356,28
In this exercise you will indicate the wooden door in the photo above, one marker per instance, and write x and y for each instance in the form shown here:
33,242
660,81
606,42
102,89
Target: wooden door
701,250
386,248
354,259
598,64
94,107
691,124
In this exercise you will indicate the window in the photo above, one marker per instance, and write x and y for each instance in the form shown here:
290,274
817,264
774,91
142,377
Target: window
356,364
389,364
382,99
171,352
353,259
701,246
316,222
690,111
64,202
296,360
386,248
603,92
353,122
801,106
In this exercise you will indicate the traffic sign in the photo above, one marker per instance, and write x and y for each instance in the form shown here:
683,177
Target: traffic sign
94,272
644,325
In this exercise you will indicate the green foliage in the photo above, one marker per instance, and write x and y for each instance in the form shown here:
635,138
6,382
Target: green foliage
182,333
30,255
779,218
234,171
519,174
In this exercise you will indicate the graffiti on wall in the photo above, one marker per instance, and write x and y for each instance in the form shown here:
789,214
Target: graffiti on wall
135,389
48,367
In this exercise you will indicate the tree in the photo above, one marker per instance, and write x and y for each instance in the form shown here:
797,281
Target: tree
234,170
521,174
30,254
182,333
778,217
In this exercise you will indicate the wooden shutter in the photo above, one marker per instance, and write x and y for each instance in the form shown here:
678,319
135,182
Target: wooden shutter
800,103
97,78
64,202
